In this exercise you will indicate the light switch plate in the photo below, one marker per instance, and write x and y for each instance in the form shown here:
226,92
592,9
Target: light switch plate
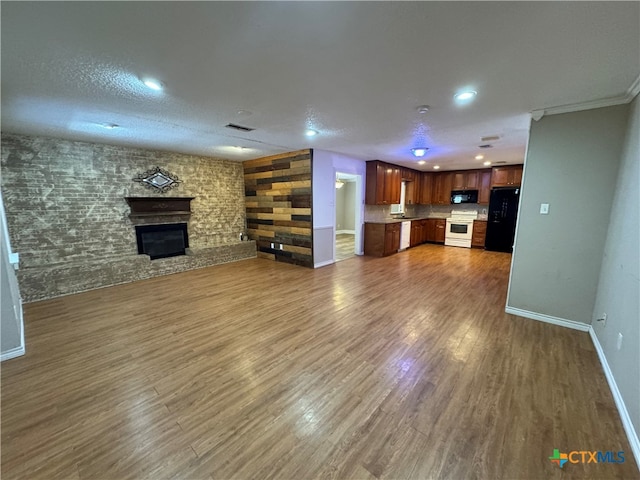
544,209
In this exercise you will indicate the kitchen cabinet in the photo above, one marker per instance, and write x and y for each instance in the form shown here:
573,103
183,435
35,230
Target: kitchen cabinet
441,226
435,230
392,238
441,193
411,179
393,180
381,239
508,176
465,180
418,228
382,183
408,174
484,186
430,230
426,188
479,233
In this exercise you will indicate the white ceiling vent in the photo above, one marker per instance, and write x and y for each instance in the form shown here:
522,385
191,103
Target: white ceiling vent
486,145
239,127
491,138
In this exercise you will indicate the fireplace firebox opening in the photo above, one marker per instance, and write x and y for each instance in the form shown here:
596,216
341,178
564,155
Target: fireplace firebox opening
161,241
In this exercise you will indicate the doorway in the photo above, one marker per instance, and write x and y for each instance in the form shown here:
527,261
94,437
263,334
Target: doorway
347,218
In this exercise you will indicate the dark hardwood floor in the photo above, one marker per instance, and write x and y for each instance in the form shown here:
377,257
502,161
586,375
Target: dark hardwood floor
397,367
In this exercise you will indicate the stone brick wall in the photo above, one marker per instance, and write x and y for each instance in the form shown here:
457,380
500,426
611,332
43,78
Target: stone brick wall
65,204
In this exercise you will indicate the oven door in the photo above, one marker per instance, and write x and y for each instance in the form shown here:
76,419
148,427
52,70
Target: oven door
459,229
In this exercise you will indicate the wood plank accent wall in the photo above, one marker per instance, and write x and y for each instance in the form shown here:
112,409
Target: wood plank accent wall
278,202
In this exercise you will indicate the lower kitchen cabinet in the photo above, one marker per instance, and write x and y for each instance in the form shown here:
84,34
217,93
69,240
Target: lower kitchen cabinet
441,226
435,230
479,233
417,232
381,239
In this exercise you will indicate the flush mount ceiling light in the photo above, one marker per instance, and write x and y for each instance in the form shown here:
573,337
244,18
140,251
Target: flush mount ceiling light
436,167
110,126
487,163
423,109
419,151
422,162
310,132
465,96
479,157
153,84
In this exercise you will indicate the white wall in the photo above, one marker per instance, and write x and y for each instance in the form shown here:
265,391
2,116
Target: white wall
572,164
619,284
325,165
11,326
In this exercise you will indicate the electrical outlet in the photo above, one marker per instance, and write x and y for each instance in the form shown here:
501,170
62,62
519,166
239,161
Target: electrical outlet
544,209
619,343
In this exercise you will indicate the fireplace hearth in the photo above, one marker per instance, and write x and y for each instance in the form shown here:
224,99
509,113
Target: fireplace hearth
162,241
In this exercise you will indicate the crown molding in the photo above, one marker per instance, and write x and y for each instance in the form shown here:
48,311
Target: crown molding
634,89
628,96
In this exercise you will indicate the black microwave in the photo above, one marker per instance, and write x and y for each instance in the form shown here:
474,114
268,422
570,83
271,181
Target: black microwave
464,196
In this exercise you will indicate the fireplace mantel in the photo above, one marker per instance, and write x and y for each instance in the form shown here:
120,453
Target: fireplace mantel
154,206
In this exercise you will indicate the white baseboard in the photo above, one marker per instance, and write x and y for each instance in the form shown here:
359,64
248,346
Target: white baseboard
350,232
583,327
13,353
323,264
632,435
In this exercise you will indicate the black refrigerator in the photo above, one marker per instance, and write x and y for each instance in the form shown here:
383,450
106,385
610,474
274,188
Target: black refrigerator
501,221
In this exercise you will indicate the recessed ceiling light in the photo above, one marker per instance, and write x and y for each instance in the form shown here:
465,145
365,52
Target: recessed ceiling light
110,126
419,151
423,109
487,163
465,96
436,167
479,157
152,84
311,133
422,162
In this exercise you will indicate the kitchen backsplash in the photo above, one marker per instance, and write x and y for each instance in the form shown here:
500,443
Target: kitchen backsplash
381,213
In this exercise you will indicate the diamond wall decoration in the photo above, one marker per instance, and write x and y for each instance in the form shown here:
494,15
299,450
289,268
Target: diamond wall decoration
157,179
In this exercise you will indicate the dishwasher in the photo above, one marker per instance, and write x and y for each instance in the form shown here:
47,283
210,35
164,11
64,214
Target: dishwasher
405,236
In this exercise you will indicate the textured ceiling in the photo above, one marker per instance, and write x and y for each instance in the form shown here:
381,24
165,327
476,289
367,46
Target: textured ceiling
353,71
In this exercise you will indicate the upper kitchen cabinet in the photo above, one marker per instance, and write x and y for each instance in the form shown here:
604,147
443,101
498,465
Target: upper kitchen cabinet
382,184
466,180
508,176
412,185
441,193
426,188
484,187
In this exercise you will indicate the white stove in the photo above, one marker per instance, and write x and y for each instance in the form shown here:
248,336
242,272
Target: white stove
460,228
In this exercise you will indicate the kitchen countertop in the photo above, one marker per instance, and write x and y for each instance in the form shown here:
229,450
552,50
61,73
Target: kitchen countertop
399,220
481,218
